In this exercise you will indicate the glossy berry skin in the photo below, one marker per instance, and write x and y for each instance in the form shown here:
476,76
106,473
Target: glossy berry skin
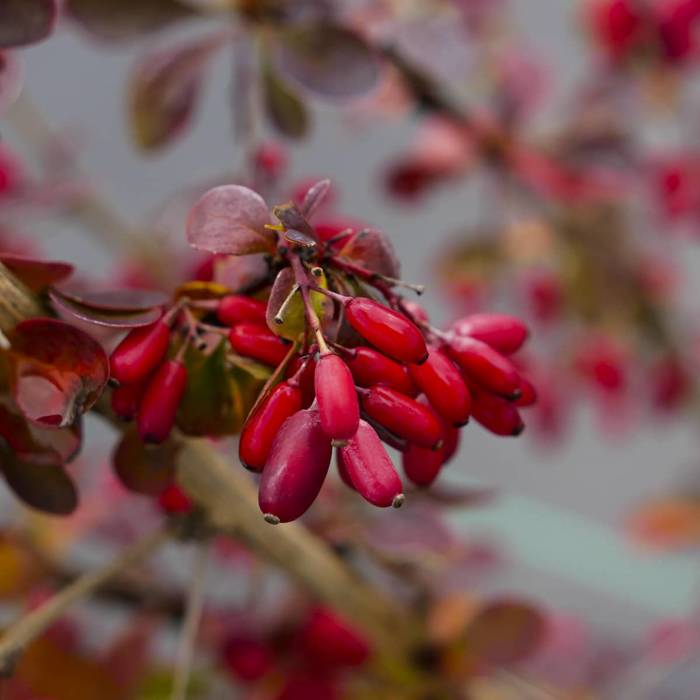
485,366
160,401
403,416
237,308
343,470
387,330
421,465
262,427
338,406
296,468
139,353
496,414
247,659
442,383
370,469
259,343
126,399
174,501
502,332
370,367
332,642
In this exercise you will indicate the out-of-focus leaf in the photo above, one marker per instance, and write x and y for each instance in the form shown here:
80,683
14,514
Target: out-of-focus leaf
240,274
11,79
231,219
117,300
373,250
111,319
327,60
504,632
314,197
58,371
45,487
19,567
145,469
25,22
119,20
36,274
163,92
667,524
283,106
218,395
202,290
448,617
456,497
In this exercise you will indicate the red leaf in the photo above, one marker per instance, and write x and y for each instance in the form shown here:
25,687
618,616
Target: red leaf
36,274
117,319
231,219
117,300
314,197
374,251
25,22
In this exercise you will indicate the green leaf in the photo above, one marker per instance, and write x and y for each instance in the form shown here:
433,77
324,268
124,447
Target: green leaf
283,106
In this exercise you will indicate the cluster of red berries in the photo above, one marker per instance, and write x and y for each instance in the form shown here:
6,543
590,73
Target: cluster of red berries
302,663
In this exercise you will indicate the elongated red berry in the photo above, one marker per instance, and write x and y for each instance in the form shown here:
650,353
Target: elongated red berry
296,468
496,414
422,465
126,399
259,343
331,641
246,658
403,416
444,386
338,406
301,370
370,469
485,366
389,331
343,470
370,367
237,308
262,427
502,332
528,393
139,353
161,400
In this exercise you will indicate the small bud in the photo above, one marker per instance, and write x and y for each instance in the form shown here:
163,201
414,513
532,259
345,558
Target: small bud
139,353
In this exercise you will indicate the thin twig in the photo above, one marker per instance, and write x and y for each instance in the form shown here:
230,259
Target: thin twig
31,626
190,627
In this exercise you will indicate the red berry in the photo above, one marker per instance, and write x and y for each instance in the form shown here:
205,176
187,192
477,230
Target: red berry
421,465
261,428
403,416
140,353
161,400
338,406
306,686
296,468
259,343
496,414
174,501
302,371
126,399
370,367
386,329
417,312
502,332
332,642
442,383
237,308
271,159
528,393
247,659
485,366
452,439
343,470
370,469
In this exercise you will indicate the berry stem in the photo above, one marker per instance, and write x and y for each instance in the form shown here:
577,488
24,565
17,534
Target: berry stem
279,316
303,282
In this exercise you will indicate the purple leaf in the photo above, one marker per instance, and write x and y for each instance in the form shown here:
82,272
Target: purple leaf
314,197
373,250
111,319
231,219
145,469
117,300
36,274
25,22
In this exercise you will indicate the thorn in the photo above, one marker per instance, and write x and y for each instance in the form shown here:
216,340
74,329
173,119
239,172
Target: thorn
398,501
272,519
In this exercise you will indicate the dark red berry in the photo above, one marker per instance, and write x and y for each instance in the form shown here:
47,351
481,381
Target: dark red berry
403,416
161,400
139,353
370,469
444,386
528,393
308,686
496,414
485,366
237,308
422,465
262,427
333,642
174,501
502,332
370,367
259,343
247,659
389,331
302,370
338,406
296,468
126,399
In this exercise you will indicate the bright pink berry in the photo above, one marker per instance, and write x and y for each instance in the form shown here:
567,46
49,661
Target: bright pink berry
333,642
343,470
247,659
389,331
161,400
140,353
444,386
261,428
403,416
485,366
502,332
237,308
370,469
126,399
370,367
174,501
296,468
496,414
259,343
338,406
